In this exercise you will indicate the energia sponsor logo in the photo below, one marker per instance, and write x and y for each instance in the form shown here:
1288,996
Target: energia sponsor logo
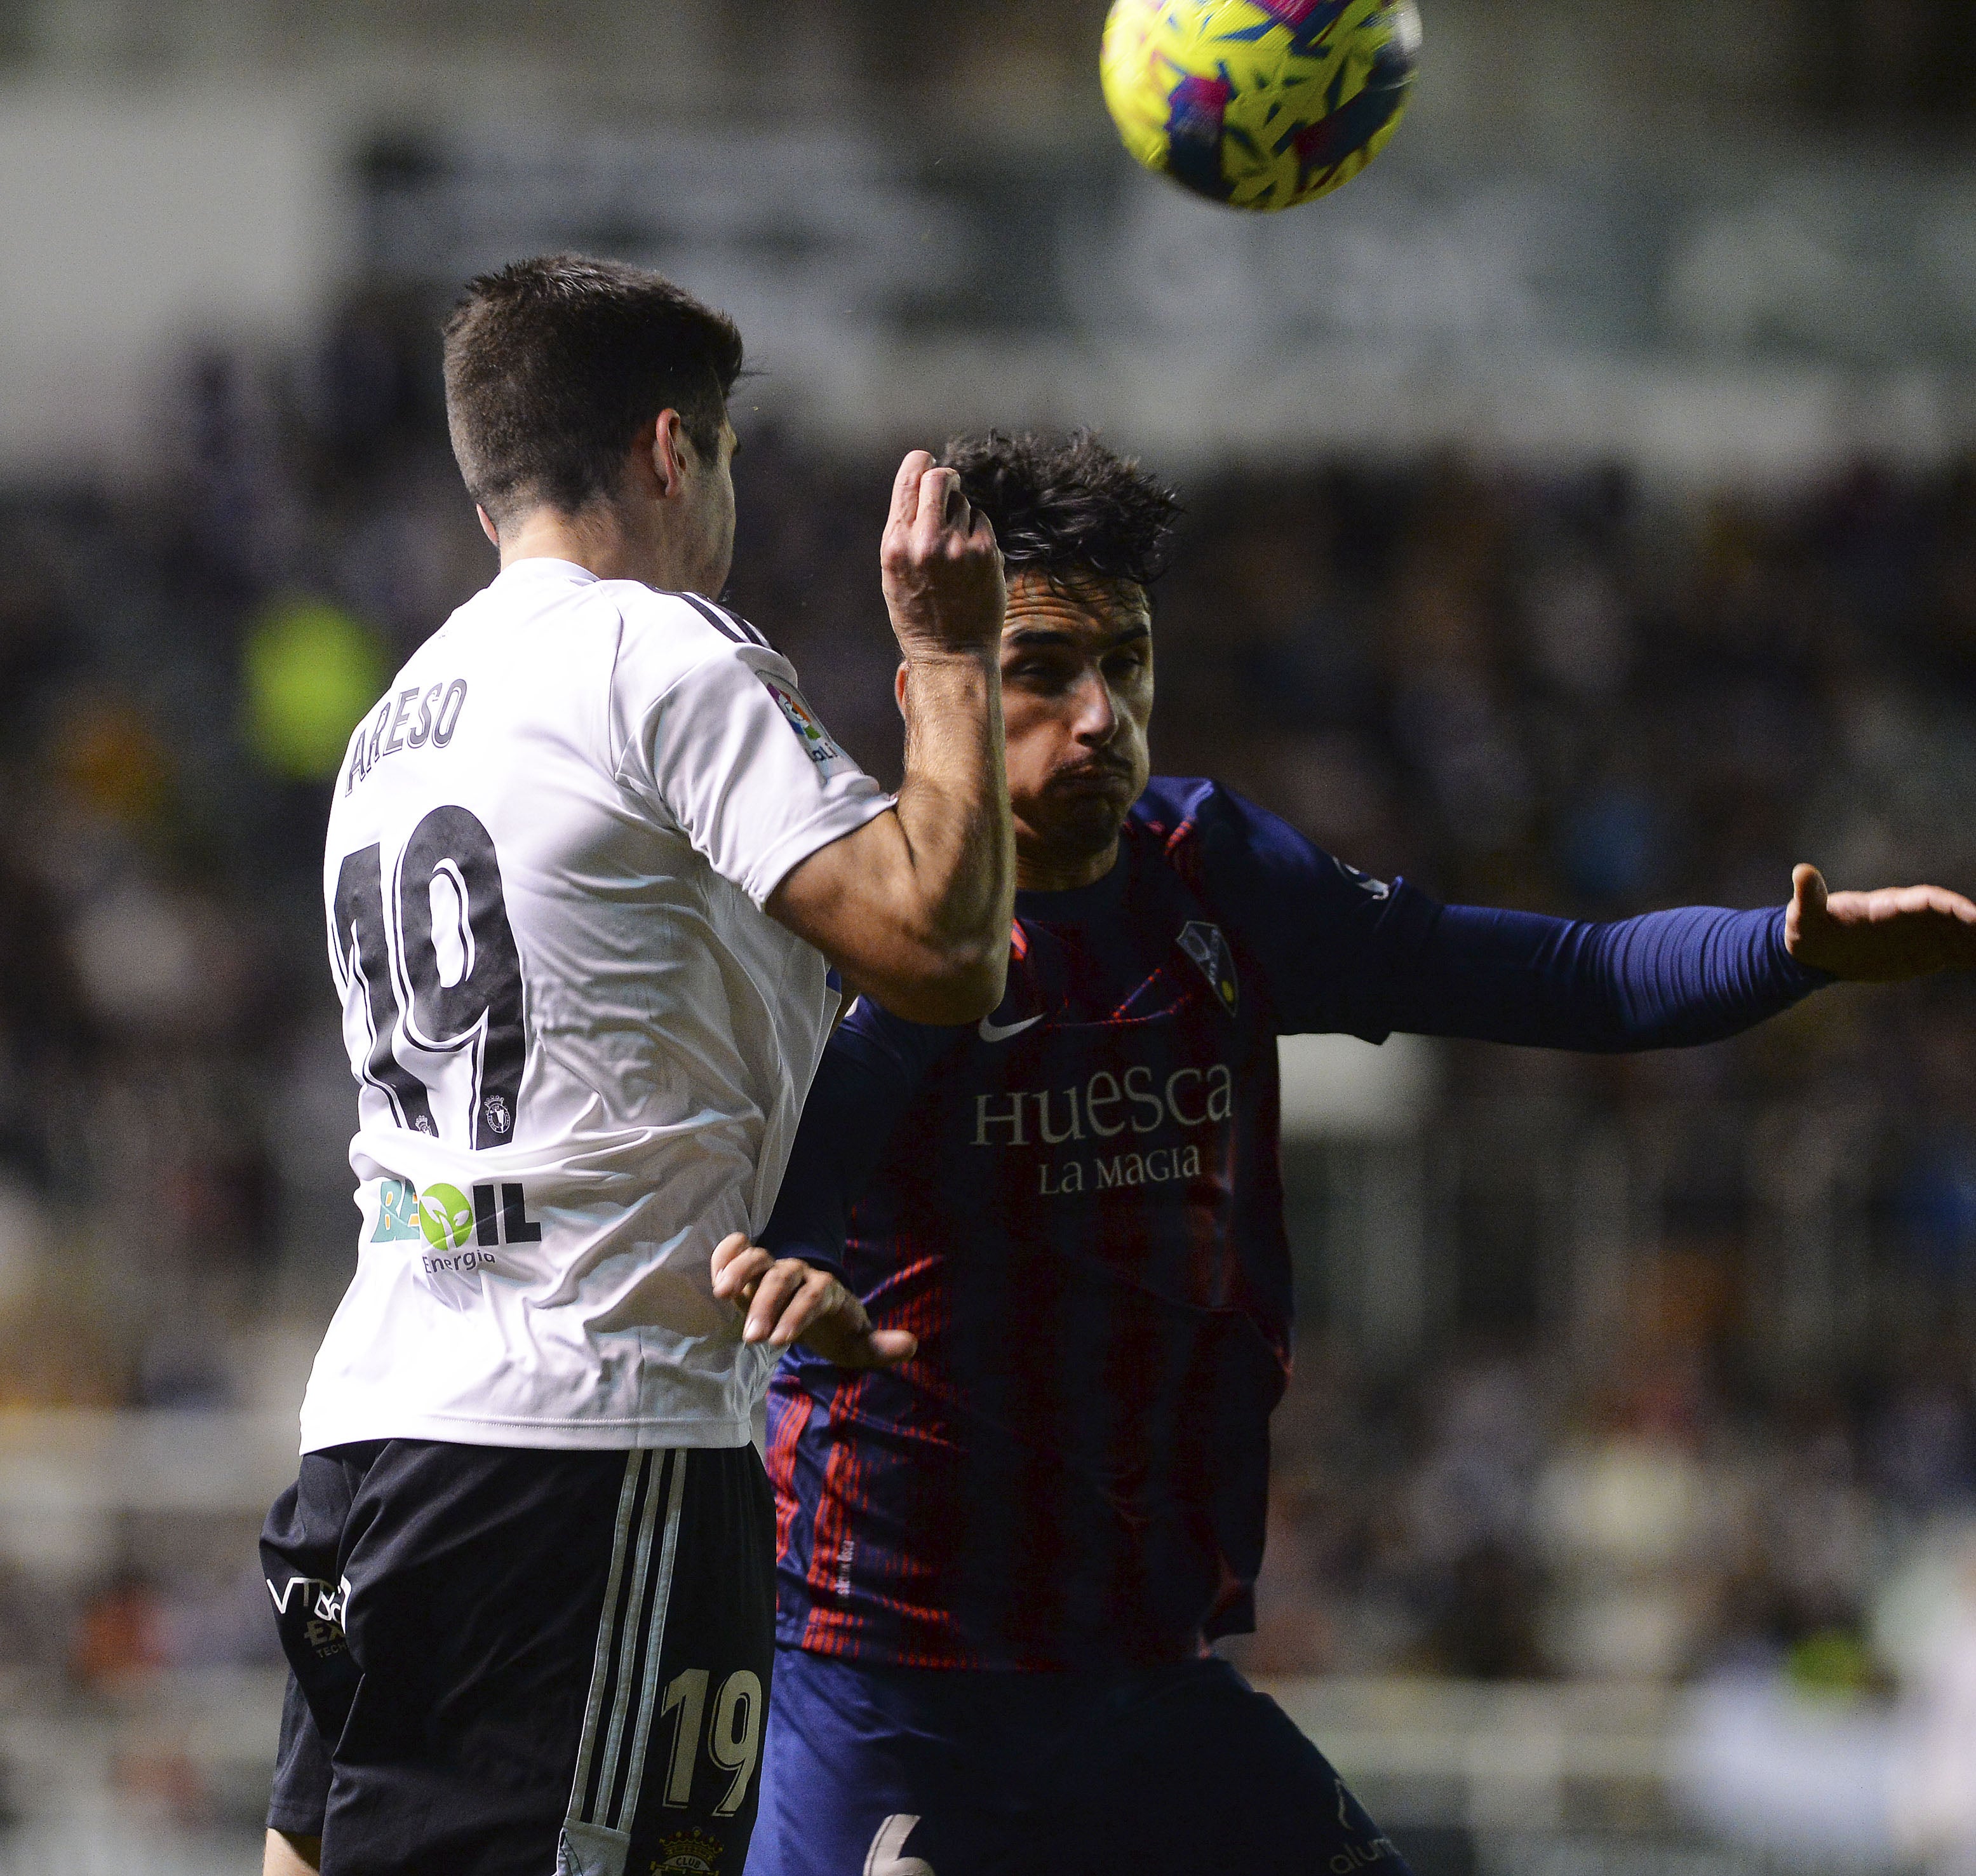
461,1230
445,1217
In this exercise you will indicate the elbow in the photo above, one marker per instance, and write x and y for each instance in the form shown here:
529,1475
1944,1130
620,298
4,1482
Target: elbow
960,985
975,984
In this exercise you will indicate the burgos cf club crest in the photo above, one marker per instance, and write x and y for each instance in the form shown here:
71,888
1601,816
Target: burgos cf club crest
1205,944
689,1854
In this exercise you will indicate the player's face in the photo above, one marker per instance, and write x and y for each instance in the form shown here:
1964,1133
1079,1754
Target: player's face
1077,695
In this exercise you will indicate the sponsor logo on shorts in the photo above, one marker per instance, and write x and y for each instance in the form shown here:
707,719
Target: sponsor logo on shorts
1372,888
321,1607
1361,1855
1358,1856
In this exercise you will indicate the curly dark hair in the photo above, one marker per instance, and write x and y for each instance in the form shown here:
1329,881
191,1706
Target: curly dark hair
1067,507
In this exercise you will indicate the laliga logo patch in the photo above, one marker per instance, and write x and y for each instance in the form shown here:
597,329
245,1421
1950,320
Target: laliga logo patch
689,1854
800,718
1204,944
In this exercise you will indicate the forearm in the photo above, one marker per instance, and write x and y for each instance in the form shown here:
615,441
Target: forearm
958,844
914,907
1668,979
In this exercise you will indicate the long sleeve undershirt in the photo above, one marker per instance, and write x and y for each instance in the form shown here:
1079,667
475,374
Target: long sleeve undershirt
1668,980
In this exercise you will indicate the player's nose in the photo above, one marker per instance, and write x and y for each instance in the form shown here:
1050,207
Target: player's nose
1097,710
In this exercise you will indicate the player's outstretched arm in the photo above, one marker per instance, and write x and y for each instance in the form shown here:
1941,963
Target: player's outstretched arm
1879,937
788,1301
914,908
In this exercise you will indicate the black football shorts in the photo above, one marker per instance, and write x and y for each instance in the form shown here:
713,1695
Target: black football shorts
510,1662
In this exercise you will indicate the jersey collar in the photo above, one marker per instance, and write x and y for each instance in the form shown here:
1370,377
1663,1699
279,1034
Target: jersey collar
1080,903
544,567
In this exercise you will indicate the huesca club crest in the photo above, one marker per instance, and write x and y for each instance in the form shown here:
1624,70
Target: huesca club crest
1208,949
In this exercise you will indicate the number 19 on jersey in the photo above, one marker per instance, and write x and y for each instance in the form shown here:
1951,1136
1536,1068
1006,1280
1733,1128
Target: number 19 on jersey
438,966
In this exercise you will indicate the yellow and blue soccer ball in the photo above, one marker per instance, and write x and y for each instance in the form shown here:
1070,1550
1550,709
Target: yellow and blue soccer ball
1259,104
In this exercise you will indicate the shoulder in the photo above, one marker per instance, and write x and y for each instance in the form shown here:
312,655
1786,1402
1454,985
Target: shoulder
1203,824
692,614
1169,810
1235,850
686,624
665,639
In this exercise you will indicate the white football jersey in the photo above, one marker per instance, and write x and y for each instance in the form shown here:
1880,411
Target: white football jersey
581,1046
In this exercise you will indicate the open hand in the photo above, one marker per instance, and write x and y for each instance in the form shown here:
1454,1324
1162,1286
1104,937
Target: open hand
1879,937
788,1301
943,573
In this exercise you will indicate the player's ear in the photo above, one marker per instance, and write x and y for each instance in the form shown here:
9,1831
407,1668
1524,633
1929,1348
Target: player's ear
487,526
672,454
899,687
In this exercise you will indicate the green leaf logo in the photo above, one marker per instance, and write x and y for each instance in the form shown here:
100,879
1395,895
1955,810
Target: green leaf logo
445,1217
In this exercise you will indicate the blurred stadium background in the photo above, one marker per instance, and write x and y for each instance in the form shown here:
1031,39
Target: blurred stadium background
1583,514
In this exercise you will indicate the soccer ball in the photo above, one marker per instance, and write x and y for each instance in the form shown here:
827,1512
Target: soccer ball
1259,104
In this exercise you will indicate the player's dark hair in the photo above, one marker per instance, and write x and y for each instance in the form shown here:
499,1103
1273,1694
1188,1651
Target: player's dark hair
1067,507
553,366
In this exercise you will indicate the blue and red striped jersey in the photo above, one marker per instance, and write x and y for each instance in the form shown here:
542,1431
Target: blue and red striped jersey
1076,1205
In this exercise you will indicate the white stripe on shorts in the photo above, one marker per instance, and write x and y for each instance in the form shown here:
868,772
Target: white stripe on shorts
591,1845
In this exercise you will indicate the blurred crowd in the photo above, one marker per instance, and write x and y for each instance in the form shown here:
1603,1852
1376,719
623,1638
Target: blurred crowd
1564,691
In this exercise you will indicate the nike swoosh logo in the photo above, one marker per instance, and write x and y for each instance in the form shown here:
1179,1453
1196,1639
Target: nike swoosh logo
1001,1032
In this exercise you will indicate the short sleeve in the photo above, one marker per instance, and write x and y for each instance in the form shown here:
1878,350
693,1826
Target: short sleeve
746,770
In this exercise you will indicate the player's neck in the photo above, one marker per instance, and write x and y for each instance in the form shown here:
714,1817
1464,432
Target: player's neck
603,540
1039,868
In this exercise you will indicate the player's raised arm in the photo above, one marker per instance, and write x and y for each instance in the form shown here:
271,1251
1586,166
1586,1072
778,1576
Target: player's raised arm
914,907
